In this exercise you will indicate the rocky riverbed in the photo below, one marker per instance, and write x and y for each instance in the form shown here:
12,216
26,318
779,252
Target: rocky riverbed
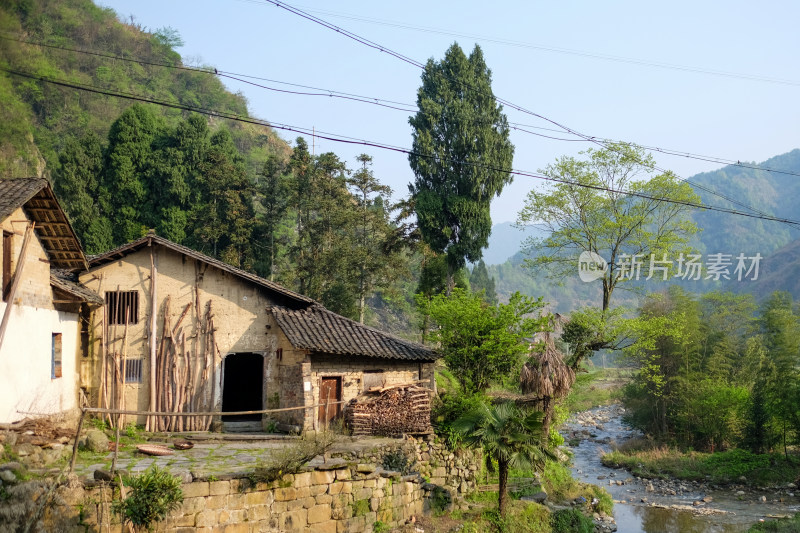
644,505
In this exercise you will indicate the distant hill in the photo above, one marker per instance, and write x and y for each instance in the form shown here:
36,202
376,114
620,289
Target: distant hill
769,192
506,240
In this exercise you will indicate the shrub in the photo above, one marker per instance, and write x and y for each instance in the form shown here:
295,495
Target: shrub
571,521
398,461
155,494
447,408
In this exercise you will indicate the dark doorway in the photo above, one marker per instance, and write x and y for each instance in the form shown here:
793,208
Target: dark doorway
243,388
330,392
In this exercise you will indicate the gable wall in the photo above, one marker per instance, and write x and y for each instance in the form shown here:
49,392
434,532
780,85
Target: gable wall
240,319
26,354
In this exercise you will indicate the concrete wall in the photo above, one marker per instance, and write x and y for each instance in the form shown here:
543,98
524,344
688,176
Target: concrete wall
25,356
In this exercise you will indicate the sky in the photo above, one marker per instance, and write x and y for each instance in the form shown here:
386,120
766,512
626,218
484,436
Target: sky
713,78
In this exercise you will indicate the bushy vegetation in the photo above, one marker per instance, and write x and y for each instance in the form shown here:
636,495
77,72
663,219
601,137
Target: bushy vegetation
154,494
718,467
571,521
716,372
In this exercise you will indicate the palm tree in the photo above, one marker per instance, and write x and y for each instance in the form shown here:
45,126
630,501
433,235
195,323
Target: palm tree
546,377
508,435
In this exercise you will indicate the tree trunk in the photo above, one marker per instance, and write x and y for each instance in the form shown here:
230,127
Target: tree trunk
547,404
502,471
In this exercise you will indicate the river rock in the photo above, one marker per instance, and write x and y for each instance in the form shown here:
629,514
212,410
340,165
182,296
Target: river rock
538,497
763,499
7,476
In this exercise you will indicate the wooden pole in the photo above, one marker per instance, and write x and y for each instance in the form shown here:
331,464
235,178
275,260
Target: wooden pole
75,444
15,284
153,330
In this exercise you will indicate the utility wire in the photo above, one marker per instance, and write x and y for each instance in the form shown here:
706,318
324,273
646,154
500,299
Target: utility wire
375,101
393,104
543,48
350,140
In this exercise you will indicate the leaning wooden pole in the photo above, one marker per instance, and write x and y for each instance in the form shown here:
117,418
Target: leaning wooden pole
153,329
17,277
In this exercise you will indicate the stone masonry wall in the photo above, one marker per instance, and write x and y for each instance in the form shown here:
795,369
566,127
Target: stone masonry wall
346,495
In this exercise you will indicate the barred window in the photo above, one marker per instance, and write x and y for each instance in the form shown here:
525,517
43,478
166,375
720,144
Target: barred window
133,370
123,307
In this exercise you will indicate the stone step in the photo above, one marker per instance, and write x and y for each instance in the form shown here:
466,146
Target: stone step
243,427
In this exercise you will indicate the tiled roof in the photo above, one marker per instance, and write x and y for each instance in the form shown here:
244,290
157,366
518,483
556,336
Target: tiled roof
122,251
317,329
36,197
66,282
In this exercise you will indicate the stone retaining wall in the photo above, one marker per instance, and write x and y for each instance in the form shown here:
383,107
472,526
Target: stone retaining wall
350,492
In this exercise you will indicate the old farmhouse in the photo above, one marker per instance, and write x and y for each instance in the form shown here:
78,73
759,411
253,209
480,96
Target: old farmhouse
183,332
44,311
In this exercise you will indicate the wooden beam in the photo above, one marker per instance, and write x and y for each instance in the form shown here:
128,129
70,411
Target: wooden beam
15,283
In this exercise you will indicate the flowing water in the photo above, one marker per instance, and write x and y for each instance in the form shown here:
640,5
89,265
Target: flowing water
668,506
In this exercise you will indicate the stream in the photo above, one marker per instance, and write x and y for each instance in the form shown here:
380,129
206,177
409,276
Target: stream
656,506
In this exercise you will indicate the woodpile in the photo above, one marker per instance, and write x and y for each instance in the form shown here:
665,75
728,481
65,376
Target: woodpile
390,411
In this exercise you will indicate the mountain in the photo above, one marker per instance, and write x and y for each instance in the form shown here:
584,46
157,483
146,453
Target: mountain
506,240
37,119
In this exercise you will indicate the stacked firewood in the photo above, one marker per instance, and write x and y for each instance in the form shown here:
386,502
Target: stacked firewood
390,411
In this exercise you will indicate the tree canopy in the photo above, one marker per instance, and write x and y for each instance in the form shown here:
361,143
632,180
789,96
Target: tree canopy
461,156
482,343
614,204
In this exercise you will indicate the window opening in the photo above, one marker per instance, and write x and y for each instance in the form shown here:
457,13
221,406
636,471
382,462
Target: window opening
133,370
123,307
55,360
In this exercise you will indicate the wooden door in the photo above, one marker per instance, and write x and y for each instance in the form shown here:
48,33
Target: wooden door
330,392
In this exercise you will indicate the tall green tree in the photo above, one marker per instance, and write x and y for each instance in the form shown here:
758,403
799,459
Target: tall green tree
588,210
128,158
461,156
78,186
509,436
482,343
377,247
273,187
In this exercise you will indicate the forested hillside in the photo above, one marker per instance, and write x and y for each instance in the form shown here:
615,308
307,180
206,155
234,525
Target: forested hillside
232,190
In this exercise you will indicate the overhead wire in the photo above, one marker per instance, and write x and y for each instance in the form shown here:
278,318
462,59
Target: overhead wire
384,146
543,48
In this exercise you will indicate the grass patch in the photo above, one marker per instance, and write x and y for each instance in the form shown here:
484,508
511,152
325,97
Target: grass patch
595,388
720,467
781,525
559,484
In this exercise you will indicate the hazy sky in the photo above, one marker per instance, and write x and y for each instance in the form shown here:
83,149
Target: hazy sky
733,91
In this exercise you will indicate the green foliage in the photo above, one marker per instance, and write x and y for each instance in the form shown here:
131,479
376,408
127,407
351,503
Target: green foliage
507,435
398,461
448,406
481,344
779,525
380,527
481,283
154,494
360,507
461,156
571,521
718,467
586,213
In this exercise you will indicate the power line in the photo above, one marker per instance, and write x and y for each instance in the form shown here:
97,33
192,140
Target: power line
350,140
553,49
393,104
358,98
374,45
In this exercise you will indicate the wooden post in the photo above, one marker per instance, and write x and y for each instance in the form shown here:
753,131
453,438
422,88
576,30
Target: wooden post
17,277
75,445
153,329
